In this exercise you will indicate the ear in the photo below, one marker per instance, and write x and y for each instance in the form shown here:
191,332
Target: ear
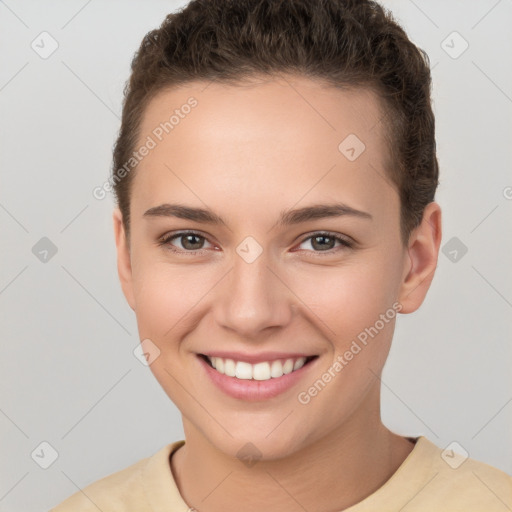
423,250
124,266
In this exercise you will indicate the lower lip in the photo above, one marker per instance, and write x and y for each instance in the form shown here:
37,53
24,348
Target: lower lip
254,390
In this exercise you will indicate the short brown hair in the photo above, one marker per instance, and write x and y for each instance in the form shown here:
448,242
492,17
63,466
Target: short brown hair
345,43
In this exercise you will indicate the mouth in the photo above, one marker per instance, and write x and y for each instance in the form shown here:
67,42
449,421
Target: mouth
261,371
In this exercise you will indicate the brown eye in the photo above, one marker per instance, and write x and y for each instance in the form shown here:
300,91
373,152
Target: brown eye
322,242
326,242
191,242
185,242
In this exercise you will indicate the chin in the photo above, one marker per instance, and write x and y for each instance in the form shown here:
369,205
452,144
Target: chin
250,445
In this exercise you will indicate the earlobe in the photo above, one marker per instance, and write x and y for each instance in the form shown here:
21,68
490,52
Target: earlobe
124,266
423,250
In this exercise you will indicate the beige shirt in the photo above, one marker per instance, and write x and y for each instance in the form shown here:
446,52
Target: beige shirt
425,481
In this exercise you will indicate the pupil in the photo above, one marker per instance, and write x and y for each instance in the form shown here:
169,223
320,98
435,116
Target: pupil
188,239
323,246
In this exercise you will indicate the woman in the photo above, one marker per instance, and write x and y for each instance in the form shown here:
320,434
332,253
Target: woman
275,174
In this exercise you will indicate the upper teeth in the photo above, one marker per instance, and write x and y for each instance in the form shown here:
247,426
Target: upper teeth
259,371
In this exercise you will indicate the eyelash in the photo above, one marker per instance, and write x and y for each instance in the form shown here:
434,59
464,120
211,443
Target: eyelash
165,241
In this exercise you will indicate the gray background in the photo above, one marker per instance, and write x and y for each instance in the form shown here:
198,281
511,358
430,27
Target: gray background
69,376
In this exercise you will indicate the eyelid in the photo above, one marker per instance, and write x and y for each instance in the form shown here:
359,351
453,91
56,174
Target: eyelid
165,240
346,242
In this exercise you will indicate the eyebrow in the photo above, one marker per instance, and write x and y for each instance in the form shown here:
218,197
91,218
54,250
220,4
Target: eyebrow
287,217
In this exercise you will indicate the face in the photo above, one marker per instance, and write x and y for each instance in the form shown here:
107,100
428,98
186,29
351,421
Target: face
287,245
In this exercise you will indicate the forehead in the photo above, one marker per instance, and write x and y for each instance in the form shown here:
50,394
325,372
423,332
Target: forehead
278,139
265,107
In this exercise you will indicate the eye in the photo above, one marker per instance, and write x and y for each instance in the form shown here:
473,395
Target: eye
326,242
190,241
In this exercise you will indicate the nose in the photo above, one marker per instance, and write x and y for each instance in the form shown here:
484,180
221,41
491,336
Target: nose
253,298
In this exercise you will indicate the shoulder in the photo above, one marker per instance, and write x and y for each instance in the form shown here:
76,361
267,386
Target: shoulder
441,480
122,491
458,482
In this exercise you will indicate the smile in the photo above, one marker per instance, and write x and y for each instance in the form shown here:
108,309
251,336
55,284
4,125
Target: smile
261,371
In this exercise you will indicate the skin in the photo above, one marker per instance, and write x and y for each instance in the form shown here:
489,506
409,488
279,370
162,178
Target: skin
248,153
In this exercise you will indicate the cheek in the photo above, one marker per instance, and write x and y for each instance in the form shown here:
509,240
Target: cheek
155,303
167,298
349,297
354,303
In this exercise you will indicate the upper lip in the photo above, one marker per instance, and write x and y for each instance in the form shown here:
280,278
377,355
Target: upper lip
256,358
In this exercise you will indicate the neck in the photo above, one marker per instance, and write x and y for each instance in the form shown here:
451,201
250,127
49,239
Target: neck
335,472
